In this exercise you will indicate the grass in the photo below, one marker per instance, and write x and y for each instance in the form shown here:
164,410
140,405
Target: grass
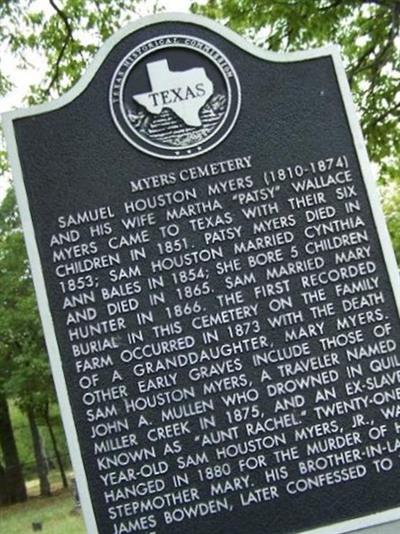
57,514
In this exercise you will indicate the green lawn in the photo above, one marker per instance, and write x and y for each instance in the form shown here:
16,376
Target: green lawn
56,514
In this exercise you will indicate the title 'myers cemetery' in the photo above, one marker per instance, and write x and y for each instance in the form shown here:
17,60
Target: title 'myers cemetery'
217,287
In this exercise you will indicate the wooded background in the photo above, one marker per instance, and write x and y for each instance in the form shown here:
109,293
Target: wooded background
60,38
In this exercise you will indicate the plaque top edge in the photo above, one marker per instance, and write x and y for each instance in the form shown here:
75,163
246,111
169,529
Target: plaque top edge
204,22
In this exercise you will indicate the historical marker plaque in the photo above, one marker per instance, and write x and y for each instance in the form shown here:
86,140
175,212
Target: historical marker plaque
217,287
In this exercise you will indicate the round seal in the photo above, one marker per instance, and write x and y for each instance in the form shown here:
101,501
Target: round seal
175,96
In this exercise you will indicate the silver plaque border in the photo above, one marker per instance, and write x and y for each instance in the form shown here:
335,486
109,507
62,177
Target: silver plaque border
332,51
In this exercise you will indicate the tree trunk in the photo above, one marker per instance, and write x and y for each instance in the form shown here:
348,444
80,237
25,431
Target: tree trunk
3,487
14,489
56,451
41,464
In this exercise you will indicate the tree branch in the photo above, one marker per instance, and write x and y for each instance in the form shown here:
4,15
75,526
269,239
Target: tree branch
68,39
382,116
356,69
378,62
331,6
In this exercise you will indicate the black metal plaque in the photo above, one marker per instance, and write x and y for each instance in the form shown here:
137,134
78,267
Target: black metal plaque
217,287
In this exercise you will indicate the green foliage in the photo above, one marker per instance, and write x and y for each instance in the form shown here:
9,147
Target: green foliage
366,30
25,374
391,203
65,37
23,439
24,368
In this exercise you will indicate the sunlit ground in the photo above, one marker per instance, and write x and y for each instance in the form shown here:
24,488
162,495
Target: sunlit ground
56,514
